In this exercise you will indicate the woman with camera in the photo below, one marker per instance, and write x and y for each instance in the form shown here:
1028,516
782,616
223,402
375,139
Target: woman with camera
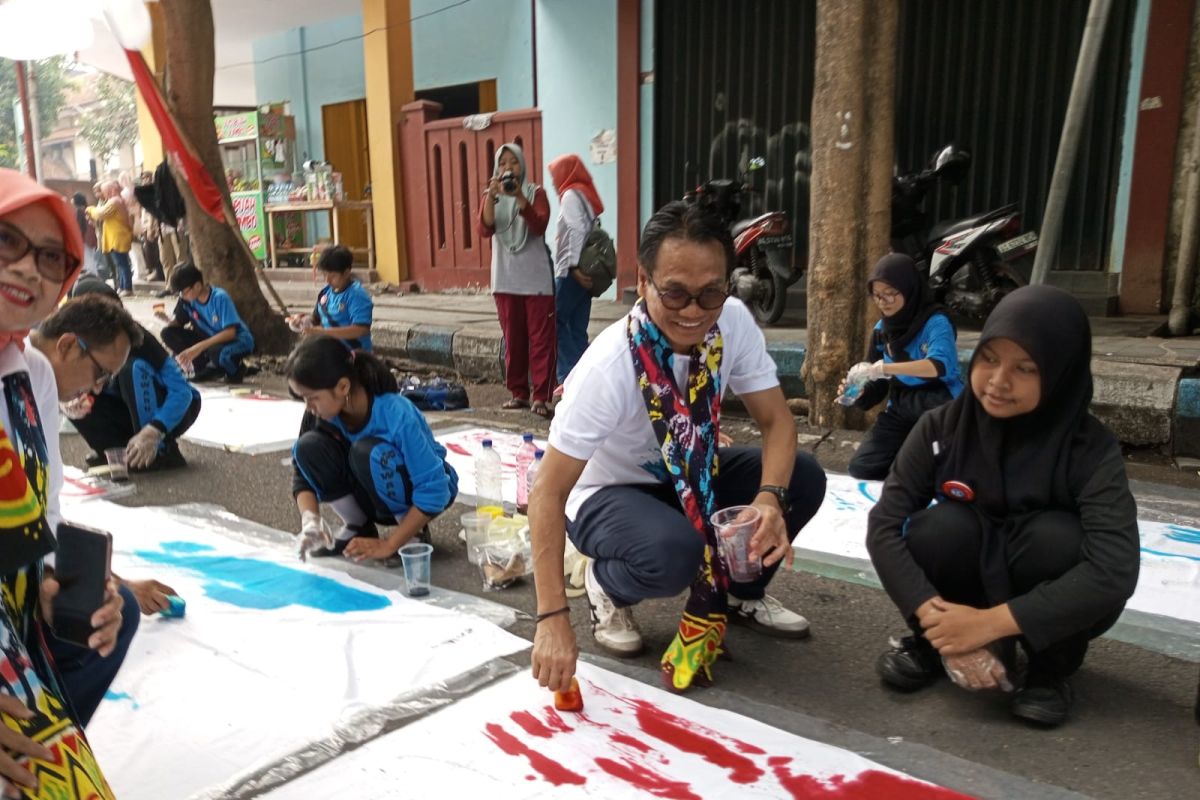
514,213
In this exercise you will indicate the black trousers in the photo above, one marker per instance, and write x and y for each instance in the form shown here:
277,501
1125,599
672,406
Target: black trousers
874,456
115,418
947,542
643,545
368,469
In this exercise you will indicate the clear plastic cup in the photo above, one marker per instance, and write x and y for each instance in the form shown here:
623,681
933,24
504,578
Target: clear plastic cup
476,526
734,527
417,563
118,470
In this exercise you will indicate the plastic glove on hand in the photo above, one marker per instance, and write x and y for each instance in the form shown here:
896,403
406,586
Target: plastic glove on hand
979,669
143,447
313,533
866,371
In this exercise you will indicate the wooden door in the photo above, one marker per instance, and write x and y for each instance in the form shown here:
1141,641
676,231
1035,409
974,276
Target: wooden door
345,128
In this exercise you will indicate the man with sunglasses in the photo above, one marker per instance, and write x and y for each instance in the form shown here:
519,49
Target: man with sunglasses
631,472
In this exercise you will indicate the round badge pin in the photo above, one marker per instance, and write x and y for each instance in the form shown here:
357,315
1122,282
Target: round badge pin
959,491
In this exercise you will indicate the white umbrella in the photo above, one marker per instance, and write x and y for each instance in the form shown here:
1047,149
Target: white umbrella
34,29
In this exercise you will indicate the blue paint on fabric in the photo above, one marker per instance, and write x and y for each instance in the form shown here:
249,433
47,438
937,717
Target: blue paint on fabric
262,585
1178,533
116,697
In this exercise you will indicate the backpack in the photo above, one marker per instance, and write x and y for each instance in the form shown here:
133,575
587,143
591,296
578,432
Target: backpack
434,394
598,260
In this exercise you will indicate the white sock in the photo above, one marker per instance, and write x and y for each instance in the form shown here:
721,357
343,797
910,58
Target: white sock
352,516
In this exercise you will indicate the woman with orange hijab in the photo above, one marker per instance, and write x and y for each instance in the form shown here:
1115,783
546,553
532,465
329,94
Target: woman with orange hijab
43,751
579,207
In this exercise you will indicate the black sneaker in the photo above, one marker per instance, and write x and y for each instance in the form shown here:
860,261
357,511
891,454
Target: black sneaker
339,547
1044,700
207,373
168,458
94,460
424,536
912,663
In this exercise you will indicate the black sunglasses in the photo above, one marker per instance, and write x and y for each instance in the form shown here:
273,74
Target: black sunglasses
53,263
677,299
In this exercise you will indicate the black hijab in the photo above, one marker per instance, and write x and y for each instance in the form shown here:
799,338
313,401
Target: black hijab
1022,464
900,272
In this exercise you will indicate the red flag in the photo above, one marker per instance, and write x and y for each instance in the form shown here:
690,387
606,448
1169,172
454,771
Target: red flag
205,190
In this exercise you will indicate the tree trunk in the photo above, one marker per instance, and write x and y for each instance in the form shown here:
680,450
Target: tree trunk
852,162
215,246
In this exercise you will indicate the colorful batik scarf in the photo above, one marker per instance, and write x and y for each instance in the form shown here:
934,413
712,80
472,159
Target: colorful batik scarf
686,424
26,668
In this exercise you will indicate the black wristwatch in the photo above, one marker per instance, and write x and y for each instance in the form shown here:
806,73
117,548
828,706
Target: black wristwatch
781,494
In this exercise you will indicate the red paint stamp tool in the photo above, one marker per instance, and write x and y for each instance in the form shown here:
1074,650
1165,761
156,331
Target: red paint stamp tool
570,700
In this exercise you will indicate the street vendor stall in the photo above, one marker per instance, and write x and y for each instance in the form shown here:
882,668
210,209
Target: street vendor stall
258,155
278,212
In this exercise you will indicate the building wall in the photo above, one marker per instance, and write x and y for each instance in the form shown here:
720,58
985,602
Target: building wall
577,91
480,40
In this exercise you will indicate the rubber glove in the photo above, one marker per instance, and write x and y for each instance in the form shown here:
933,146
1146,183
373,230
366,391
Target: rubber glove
313,533
143,447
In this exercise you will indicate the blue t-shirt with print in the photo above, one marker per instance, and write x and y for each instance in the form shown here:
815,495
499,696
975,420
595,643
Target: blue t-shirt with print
936,340
351,306
214,316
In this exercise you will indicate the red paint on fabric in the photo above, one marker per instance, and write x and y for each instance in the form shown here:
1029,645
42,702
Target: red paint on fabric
698,740
554,720
630,741
531,724
870,784
647,780
457,448
550,770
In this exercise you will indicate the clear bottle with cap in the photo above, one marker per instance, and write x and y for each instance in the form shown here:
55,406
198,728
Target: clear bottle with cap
489,497
524,459
531,476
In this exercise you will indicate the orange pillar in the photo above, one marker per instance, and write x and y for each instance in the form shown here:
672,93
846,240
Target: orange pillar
387,59
156,55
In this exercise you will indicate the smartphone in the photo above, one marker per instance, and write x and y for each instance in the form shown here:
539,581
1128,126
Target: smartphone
82,567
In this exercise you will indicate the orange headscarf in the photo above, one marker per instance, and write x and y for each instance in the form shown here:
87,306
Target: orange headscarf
18,191
568,172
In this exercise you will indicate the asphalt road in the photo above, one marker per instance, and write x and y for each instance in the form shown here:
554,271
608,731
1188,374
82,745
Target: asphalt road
1132,734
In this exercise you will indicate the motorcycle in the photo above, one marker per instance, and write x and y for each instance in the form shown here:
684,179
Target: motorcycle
991,246
762,245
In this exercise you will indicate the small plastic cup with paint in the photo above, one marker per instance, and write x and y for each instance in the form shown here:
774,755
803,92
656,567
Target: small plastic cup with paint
118,470
734,527
475,527
417,564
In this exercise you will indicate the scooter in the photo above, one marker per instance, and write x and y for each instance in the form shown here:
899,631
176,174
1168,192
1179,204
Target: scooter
991,246
762,245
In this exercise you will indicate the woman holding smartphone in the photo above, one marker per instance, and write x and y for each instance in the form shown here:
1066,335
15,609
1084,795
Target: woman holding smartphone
41,251
514,214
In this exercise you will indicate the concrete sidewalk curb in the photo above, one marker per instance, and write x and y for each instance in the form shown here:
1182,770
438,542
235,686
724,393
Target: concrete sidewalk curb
1143,404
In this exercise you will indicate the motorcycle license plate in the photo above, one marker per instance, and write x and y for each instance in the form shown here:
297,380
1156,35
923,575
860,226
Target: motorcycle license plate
1025,240
775,241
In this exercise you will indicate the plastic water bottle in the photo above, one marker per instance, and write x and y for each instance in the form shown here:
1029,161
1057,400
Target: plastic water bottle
524,459
531,476
852,391
489,498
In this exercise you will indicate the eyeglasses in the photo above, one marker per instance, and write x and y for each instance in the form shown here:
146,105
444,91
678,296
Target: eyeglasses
100,374
885,297
53,263
677,299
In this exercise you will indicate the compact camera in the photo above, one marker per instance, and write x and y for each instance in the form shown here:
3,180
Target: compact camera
508,182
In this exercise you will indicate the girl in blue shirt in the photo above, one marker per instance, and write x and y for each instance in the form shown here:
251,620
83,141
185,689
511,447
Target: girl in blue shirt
912,360
366,451
344,307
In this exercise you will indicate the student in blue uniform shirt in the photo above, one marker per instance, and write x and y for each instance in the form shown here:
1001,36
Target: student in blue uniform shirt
145,408
206,329
366,451
344,307
912,361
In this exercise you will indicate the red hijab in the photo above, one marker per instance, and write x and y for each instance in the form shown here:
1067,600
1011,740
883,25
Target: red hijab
568,172
18,191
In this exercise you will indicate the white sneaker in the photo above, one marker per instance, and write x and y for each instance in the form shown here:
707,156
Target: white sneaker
768,616
614,628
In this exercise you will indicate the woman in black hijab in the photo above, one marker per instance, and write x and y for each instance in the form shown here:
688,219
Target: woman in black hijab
1034,536
912,361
